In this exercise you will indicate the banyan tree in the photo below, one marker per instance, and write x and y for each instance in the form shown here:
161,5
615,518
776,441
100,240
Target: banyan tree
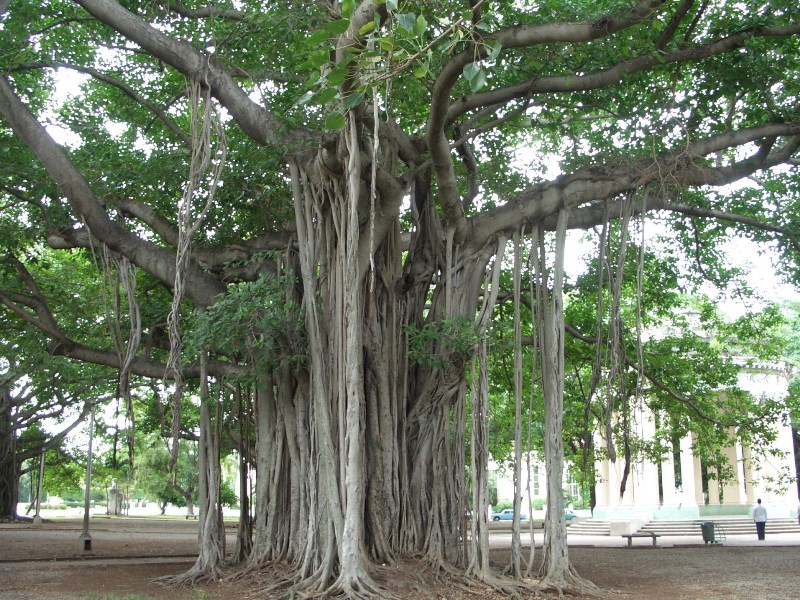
324,191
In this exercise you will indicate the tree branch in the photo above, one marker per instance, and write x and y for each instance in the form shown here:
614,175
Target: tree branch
611,76
126,89
257,122
662,387
516,37
543,200
148,256
178,7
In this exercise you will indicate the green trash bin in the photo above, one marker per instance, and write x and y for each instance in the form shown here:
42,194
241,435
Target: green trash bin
708,531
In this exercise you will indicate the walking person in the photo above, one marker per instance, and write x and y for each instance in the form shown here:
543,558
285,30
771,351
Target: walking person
760,518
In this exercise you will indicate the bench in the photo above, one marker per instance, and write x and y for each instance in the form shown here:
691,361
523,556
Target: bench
191,517
644,534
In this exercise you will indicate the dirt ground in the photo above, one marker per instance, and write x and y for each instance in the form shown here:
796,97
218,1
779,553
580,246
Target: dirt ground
48,563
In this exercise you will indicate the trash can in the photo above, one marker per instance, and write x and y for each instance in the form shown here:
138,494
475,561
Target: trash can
708,531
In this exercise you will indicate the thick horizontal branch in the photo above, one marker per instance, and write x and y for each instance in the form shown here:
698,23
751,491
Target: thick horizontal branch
516,37
573,82
590,184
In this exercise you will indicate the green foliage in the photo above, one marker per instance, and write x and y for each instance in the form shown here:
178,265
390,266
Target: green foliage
254,320
436,343
154,479
502,505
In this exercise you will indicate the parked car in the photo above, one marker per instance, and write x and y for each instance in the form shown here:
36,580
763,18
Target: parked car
507,514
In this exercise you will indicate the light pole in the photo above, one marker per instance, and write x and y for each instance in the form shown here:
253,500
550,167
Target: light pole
86,539
37,519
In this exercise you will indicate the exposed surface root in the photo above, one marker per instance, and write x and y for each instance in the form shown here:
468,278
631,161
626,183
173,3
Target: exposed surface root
572,584
191,577
404,579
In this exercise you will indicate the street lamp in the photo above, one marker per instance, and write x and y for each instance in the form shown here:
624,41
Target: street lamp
85,538
37,519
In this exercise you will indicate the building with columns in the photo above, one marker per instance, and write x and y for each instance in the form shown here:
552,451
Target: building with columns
651,491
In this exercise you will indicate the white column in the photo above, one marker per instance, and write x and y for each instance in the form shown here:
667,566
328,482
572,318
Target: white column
713,489
668,479
689,475
749,476
645,473
613,484
733,491
601,491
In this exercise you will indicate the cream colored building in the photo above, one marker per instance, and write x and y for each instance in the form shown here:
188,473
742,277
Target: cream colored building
651,493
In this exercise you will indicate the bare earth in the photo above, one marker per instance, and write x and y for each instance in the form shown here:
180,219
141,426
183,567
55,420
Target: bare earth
48,563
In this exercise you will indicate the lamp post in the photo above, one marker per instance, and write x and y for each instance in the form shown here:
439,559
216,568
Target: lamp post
37,519
85,538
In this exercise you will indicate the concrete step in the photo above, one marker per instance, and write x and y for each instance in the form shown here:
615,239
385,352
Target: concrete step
589,527
729,525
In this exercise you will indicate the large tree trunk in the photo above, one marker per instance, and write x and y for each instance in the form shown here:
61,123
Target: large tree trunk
371,444
9,472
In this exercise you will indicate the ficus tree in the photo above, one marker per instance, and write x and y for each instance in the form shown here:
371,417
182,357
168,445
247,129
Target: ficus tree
371,152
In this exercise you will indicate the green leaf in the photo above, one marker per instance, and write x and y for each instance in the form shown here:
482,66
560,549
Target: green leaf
391,5
317,59
337,27
421,70
334,121
338,75
470,70
387,44
406,21
478,81
367,27
327,95
352,101
494,48
420,25
379,2
301,101
320,36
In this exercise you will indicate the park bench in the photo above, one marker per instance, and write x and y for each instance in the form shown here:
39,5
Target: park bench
191,517
641,534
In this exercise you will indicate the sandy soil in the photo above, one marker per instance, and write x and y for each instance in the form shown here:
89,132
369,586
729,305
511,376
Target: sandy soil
48,563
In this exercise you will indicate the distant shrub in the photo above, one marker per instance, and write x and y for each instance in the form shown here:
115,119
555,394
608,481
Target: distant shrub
503,504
